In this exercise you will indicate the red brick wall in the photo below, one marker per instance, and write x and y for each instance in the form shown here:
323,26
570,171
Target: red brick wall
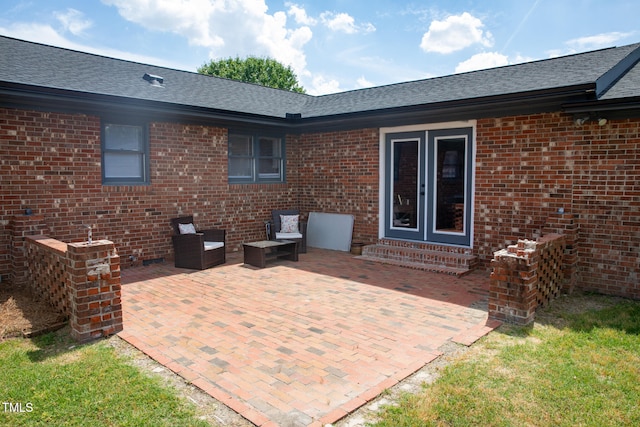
607,197
339,173
529,166
526,168
51,163
523,173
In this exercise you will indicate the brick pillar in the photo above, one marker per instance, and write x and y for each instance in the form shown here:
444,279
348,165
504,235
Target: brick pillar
94,284
567,225
19,227
513,286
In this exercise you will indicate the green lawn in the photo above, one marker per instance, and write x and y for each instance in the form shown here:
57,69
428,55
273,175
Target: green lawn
579,365
574,367
48,381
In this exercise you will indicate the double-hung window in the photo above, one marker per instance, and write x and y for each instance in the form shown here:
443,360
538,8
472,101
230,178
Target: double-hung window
256,158
125,154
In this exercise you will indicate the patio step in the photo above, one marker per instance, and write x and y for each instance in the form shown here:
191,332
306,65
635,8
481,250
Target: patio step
434,258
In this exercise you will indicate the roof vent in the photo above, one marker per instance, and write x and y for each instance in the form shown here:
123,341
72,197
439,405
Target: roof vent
154,80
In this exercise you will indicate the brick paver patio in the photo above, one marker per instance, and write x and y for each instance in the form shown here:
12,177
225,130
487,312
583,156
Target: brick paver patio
299,343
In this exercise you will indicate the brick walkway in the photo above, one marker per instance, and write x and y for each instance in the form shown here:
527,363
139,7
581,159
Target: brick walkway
299,343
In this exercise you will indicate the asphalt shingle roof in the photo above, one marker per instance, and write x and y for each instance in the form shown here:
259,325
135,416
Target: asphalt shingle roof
627,87
51,67
554,73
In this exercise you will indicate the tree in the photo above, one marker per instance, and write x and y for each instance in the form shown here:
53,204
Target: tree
263,71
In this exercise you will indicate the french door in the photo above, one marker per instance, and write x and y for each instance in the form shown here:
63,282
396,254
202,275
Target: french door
428,186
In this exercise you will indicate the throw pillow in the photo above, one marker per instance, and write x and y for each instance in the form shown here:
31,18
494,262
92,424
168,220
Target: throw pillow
289,223
187,229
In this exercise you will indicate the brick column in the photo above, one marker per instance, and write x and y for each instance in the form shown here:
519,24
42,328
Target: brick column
513,286
19,227
94,284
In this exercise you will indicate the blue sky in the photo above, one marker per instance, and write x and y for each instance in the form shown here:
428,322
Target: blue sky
332,45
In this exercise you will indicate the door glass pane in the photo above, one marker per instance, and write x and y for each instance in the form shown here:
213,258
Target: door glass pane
450,184
405,184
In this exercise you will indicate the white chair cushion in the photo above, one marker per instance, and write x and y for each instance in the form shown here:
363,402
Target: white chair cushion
286,236
187,229
213,245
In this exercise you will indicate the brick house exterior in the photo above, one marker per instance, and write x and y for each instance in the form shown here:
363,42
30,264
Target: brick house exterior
531,155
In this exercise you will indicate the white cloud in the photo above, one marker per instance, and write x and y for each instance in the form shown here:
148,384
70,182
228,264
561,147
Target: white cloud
455,33
39,33
226,28
45,34
362,83
587,43
521,59
597,41
343,22
554,53
73,21
321,85
300,14
481,61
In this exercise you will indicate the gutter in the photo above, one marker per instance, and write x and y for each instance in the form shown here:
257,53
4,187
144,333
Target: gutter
626,108
19,96
548,100
466,109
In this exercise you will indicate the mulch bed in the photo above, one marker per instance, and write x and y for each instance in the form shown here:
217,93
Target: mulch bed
23,315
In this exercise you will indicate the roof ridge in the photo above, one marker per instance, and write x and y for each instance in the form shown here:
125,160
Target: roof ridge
609,79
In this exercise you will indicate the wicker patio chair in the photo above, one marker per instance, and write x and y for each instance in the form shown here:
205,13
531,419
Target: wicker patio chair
197,249
297,235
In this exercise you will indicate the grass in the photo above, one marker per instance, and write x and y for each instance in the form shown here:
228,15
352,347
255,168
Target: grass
57,383
572,368
578,365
